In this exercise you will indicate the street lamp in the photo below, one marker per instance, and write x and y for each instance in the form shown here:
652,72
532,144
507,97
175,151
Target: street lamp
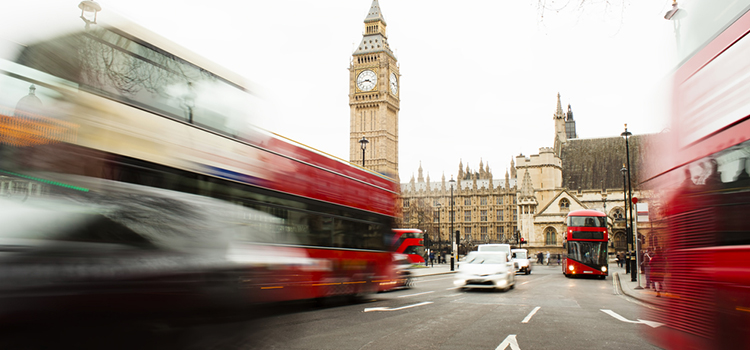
453,243
624,170
633,268
87,9
440,235
363,144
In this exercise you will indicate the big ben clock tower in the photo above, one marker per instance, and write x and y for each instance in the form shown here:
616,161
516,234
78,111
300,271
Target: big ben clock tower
374,88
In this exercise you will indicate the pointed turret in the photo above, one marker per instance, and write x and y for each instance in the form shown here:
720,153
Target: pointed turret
419,172
374,38
527,189
559,118
570,125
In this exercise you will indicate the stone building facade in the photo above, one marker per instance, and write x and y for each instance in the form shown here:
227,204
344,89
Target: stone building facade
537,193
374,88
484,208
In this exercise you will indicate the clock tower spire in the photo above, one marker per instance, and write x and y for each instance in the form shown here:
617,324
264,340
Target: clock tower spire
374,89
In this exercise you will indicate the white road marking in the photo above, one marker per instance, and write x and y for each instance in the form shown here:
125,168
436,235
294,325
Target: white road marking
509,340
369,309
437,279
452,288
454,295
411,295
531,314
652,324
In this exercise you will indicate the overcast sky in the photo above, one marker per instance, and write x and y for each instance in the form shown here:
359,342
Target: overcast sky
479,78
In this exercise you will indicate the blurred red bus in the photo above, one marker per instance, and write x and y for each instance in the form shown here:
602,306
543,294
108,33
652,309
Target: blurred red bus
409,241
586,240
700,174
118,102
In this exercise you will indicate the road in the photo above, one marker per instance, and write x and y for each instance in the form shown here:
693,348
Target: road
544,311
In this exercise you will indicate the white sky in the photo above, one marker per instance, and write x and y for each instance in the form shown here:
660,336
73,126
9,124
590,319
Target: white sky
479,78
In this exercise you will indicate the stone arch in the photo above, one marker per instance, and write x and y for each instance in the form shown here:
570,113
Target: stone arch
550,236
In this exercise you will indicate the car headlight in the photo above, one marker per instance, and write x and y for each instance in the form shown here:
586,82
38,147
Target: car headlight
604,269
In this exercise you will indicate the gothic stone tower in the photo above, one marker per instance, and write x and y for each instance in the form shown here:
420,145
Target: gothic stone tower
374,88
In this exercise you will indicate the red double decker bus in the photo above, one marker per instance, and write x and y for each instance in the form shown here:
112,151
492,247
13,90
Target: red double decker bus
701,176
116,103
409,241
586,240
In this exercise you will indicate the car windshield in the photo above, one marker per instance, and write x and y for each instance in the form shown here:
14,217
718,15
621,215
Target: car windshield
520,255
486,259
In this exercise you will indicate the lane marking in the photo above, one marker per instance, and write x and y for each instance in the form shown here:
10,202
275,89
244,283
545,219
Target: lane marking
511,341
437,279
370,309
454,295
531,314
411,295
452,288
652,324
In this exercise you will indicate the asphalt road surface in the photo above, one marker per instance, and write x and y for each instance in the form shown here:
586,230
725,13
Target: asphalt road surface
545,310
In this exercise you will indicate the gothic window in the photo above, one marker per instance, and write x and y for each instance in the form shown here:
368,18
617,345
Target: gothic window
501,229
467,232
436,202
483,215
499,200
467,215
500,215
467,201
436,216
617,214
620,242
483,201
550,236
564,204
406,202
483,230
407,217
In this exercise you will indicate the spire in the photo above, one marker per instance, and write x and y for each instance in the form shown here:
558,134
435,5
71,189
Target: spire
374,38
420,178
374,14
570,111
527,190
559,112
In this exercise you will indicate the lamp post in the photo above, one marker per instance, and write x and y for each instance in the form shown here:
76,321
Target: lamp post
87,9
440,235
363,144
453,243
633,268
625,202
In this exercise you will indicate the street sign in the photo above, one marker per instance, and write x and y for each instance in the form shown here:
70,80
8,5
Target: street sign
635,200
642,212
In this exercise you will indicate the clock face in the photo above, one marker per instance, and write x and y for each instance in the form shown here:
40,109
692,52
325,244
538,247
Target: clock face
366,80
394,84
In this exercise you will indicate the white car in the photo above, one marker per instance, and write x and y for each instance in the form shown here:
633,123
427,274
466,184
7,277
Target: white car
520,257
489,270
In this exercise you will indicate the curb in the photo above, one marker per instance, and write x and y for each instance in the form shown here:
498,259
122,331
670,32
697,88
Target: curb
434,274
622,291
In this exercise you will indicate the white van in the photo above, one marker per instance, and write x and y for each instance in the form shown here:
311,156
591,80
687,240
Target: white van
497,248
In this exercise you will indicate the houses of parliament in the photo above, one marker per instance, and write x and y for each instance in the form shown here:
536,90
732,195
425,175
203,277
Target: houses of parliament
529,202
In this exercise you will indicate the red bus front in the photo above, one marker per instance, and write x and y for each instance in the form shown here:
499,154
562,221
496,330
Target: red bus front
409,241
586,243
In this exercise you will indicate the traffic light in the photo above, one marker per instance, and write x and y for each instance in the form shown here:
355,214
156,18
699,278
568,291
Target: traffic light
523,240
458,237
426,240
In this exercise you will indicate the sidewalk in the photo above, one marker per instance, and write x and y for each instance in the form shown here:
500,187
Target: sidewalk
438,269
623,282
